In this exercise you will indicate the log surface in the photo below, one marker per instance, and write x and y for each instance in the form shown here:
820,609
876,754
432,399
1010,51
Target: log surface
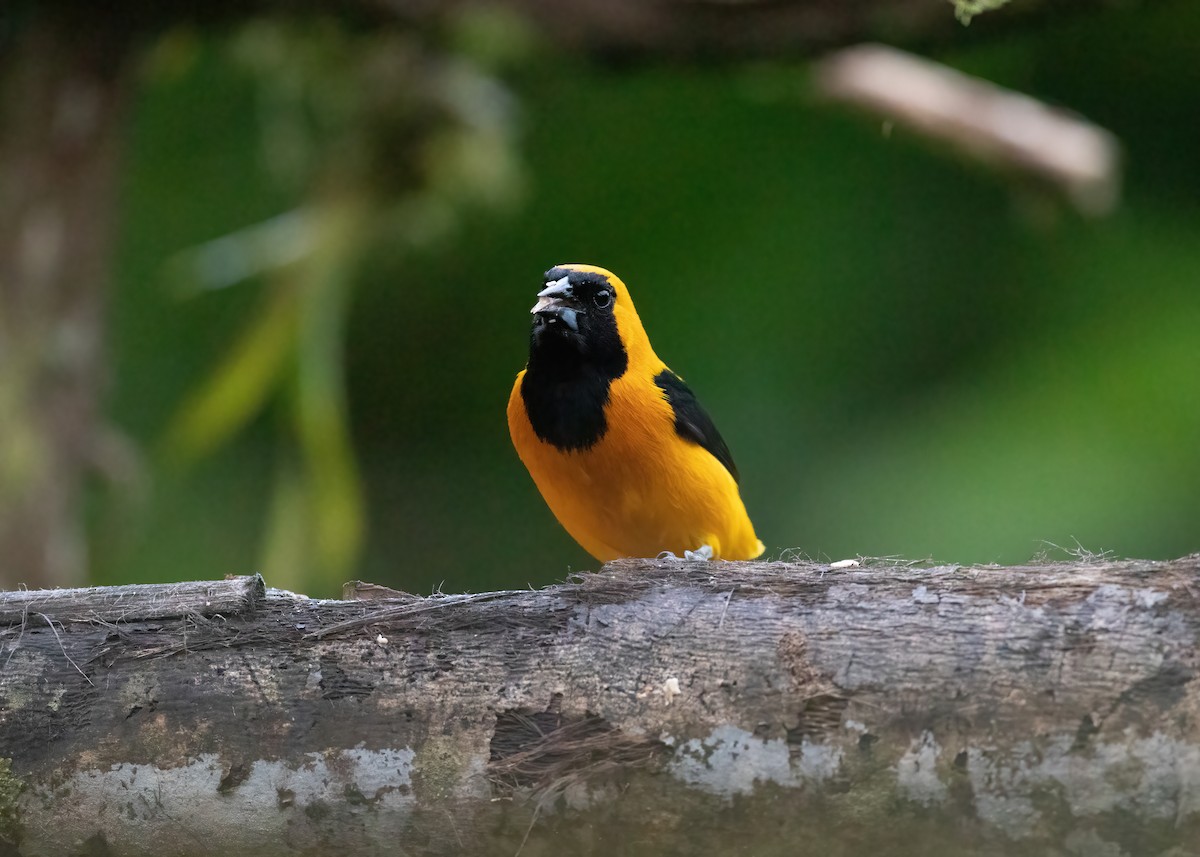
132,603
651,708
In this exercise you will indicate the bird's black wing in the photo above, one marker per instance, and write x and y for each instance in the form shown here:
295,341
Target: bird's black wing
692,422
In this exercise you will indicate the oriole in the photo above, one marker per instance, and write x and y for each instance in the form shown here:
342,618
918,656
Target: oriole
620,449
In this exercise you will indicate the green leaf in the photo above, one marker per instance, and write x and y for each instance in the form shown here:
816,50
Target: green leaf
239,387
287,547
334,487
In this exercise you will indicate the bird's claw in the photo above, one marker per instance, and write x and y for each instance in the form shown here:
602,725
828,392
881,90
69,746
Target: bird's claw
704,553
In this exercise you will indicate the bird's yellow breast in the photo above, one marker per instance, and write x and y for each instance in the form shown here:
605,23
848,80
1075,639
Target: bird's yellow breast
641,488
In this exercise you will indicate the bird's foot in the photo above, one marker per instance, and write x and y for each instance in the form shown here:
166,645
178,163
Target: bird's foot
704,553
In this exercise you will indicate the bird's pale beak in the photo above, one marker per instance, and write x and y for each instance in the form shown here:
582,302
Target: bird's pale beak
557,300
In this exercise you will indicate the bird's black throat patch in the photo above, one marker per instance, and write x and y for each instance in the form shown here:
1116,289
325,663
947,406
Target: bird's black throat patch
567,379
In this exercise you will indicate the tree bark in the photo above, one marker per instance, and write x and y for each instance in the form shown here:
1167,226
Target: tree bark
63,90
749,708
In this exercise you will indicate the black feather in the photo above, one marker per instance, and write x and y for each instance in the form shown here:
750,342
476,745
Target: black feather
692,422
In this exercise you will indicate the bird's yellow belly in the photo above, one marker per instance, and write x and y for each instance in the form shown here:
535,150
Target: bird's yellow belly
637,499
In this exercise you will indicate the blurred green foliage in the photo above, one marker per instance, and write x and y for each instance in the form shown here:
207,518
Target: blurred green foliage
965,10
908,355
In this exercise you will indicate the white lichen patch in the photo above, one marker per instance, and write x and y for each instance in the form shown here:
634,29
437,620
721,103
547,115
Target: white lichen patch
818,762
447,767
241,809
56,698
671,689
1111,606
12,700
136,692
1155,777
1152,777
922,595
312,684
20,663
916,771
731,761
379,772
1149,598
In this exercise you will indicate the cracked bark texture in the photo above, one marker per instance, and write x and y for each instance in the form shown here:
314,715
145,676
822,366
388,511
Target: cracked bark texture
651,708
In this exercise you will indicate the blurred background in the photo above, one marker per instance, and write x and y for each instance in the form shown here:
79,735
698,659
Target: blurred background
322,235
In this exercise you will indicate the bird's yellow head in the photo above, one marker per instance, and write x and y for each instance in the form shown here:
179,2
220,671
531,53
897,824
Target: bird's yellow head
585,313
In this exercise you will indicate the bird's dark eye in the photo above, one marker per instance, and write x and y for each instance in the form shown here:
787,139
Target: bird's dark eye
603,300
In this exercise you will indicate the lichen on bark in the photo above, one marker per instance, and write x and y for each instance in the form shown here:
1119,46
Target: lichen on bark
11,787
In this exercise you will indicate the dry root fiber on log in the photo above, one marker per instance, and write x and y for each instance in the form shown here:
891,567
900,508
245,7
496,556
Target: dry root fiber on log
651,708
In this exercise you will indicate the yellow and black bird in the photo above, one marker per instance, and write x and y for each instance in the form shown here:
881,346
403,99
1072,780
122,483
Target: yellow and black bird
622,452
